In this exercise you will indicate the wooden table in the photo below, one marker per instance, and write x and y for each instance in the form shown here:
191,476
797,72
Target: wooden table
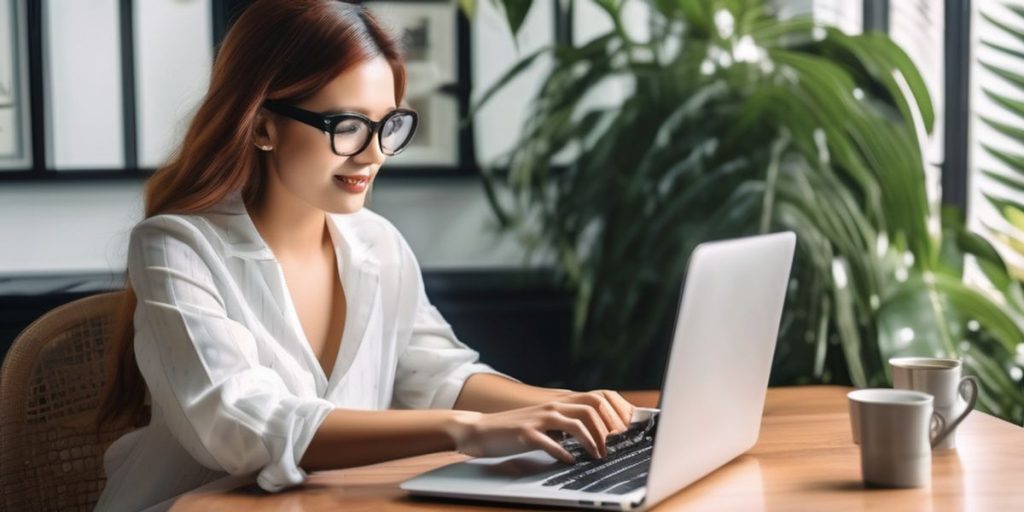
804,460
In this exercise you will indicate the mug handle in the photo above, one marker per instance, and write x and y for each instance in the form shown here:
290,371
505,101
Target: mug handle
937,428
967,383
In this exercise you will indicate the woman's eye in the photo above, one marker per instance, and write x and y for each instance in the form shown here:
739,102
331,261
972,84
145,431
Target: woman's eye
347,128
394,125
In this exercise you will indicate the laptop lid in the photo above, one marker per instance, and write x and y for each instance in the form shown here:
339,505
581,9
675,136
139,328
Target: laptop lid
713,394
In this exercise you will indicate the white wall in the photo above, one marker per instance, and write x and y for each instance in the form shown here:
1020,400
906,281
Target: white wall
82,227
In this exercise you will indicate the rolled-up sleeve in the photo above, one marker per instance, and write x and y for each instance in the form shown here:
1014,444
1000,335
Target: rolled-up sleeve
435,364
201,367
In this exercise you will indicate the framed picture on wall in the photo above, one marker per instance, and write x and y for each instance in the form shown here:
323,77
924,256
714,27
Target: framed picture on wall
430,32
7,49
13,108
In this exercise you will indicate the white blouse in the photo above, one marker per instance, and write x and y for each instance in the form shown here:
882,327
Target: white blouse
235,387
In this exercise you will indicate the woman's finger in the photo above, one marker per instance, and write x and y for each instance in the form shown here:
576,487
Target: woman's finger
590,418
577,429
538,440
612,416
621,406
601,404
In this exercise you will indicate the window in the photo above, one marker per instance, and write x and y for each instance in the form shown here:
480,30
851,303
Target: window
996,131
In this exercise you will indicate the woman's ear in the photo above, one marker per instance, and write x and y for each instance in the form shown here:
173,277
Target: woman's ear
265,132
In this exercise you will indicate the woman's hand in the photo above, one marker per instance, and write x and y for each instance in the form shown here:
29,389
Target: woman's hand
588,416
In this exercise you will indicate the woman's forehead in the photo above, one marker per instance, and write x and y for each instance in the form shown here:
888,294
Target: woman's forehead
367,87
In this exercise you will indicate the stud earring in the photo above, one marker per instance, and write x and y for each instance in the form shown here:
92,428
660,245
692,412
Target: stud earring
265,148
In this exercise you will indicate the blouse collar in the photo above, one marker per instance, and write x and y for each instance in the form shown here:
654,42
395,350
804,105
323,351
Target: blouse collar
244,240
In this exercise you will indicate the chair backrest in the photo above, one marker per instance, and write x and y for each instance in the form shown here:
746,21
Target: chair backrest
51,456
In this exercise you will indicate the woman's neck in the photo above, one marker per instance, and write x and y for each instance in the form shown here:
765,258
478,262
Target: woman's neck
293,229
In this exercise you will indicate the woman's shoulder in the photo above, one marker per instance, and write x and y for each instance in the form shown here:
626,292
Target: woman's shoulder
191,230
170,224
223,225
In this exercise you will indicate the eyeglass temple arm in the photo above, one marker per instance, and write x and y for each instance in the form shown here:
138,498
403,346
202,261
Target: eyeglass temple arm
298,114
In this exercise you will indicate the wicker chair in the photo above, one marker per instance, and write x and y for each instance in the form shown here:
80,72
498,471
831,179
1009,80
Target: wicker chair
51,457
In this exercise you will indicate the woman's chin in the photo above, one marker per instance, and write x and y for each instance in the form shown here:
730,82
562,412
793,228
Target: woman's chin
348,205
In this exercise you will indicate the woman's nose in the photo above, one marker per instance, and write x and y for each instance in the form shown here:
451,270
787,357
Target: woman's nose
372,153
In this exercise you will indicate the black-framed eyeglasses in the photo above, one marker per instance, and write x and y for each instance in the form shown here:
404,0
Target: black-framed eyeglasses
351,132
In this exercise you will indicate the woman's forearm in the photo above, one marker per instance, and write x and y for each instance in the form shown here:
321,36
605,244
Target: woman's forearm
349,438
487,392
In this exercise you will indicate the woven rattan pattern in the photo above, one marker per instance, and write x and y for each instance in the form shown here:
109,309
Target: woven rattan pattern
51,457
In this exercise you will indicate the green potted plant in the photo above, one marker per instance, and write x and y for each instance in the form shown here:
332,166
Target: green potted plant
737,122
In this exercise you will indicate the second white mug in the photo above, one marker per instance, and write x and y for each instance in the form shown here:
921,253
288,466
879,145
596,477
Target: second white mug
955,396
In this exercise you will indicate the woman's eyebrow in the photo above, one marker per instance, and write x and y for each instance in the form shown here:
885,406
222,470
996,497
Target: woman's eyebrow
343,110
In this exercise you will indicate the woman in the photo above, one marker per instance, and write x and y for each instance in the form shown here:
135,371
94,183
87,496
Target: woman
274,325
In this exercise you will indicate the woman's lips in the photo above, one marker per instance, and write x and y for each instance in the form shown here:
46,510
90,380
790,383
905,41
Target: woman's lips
353,183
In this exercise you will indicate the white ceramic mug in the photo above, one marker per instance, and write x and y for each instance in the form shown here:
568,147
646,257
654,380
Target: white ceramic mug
898,429
955,396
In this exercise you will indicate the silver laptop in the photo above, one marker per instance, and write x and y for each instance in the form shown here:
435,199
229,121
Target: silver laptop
711,400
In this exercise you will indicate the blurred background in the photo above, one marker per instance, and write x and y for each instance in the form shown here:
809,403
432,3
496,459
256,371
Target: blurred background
572,154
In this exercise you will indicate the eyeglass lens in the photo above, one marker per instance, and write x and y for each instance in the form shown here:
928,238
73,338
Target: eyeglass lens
350,135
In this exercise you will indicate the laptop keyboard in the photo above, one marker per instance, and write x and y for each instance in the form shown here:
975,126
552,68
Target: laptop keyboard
623,469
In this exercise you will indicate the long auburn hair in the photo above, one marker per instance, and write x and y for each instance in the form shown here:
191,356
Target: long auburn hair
276,49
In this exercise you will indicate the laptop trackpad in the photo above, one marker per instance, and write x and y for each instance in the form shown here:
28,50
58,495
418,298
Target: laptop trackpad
526,466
